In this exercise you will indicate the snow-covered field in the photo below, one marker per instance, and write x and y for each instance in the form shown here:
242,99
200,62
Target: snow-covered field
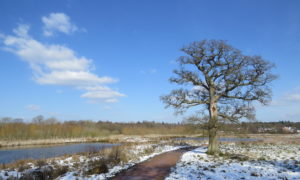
237,161
264,162
136,152
78,165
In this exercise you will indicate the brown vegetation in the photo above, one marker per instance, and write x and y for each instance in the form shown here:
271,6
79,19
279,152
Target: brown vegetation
16,130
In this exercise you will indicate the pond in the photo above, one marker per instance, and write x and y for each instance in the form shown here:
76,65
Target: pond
222,139
41,152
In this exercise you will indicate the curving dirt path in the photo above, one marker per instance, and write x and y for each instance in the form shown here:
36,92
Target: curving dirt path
157,168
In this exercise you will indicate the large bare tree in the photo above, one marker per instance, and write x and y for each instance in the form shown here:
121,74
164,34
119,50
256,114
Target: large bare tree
221,79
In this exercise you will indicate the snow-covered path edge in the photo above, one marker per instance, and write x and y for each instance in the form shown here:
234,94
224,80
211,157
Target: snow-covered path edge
196,164
117,169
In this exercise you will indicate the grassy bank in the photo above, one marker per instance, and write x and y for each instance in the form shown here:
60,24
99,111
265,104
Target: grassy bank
106,139
92,164
86,129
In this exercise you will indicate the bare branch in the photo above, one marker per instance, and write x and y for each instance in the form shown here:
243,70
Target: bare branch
186,77
184,99
226,75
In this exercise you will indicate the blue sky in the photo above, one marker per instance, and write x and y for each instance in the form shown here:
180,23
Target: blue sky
111,60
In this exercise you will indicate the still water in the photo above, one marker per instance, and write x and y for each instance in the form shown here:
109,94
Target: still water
11,155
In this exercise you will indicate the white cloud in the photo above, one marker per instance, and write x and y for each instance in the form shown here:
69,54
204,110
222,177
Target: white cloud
22,30
111,100
73,78
58,22
33,107
294,97
287,99
55,64
102,93
42,56
149,71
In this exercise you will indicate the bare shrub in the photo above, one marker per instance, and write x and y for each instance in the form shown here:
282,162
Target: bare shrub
60,171
12,178
149,150
97,167
40,163
40,173
117,155
45,173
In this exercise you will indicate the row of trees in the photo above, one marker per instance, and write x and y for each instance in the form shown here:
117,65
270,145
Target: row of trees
282,127
37,119
40,128
13,129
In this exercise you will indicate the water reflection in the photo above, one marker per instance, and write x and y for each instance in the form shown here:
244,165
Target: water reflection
11,155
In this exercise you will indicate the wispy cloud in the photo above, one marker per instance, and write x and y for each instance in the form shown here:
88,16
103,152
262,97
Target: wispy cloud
173,62
58,91
294,116
58,22
294,97
33,107
101,92
55,64
289,98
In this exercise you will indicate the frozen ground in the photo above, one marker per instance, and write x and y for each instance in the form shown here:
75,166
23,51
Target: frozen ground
136,152
77,165
238,161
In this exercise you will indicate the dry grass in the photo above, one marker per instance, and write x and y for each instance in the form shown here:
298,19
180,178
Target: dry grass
108,158
96,167
45,173
23,164
106,139
276,138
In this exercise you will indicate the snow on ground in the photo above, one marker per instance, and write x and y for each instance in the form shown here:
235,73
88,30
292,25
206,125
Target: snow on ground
78,164
137,151
264,162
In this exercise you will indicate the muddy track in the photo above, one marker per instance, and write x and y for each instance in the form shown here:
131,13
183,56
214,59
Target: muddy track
157,168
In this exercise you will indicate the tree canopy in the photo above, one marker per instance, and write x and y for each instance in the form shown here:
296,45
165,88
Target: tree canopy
222,79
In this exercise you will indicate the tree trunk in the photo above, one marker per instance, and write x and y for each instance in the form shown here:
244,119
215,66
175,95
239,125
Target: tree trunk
213,147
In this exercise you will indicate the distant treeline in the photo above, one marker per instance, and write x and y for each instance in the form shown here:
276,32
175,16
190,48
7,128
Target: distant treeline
41,128
284,127
49,128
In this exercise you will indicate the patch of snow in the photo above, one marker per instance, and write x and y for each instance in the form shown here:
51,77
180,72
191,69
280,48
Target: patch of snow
266,162
78,164
8,174
136,151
